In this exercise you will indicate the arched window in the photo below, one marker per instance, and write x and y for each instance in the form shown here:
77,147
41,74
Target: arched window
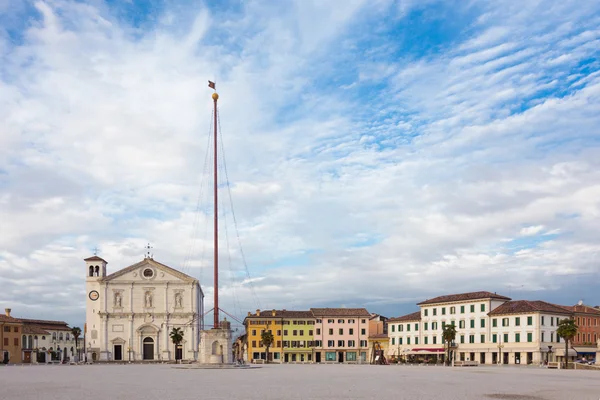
67,336
54,336
91,270
24,340
60,336
97,270
43,337
30,342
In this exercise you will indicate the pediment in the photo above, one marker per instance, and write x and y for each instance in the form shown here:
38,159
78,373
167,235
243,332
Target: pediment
151,271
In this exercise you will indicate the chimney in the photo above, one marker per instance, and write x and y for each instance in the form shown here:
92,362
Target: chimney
249,314
273,312
258,312
7,311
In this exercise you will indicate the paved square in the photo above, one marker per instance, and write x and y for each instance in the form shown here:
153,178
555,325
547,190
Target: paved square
116,382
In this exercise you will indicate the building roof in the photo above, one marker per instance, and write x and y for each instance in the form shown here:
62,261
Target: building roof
95,258
6,318
451,298
35,329
281,314
528,306
583,309
340,312
47,324
416,316
153,263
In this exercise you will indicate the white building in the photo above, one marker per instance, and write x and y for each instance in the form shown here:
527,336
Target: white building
46,341
130,313
490,329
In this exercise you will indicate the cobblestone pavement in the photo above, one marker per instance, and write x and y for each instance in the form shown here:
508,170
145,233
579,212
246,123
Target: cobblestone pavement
115,382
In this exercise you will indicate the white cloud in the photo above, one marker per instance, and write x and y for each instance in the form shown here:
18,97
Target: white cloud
532,230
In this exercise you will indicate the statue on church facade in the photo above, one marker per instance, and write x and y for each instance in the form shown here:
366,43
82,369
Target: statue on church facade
117,301
148,299
178,300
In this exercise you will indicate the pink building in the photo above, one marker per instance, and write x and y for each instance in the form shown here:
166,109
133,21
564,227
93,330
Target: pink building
341,334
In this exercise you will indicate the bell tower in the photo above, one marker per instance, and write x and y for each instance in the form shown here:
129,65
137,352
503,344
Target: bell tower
95,267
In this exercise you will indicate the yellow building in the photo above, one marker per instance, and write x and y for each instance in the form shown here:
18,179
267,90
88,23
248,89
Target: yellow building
378,340
11,330
255,325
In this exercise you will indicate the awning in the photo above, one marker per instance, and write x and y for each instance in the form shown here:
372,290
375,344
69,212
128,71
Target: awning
561,353
428,350
585,350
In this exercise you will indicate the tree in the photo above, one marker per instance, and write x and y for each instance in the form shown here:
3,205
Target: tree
76,332
567,329
267,339
177,337
448,334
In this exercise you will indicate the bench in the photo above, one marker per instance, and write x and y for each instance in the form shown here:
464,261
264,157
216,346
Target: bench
554,365
466,363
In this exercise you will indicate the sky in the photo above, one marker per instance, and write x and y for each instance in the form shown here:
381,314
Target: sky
378,153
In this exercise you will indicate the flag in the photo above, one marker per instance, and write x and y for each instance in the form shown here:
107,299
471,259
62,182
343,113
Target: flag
211,85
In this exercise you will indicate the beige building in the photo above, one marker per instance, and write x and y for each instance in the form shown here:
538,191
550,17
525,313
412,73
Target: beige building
130,313
10,338
47,341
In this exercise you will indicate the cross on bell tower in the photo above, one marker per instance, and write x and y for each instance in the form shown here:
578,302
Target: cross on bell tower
148,253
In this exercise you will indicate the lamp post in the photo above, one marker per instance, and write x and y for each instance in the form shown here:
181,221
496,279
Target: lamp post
548,354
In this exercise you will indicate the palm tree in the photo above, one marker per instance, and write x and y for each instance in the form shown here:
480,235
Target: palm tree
267,339
567,329
177,337
448,334
76,332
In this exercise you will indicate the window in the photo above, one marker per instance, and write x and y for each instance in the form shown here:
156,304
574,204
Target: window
351,331
443,325
278,332
7,329
551,321
472,323
363,343
434,326
435,340
435,311
279,343
483,308
506,338
400,328
472,307
452,310
443,310
462,338
340,321
331,331
67,336
53,336
408,327
351,356
399,340
517,321
285,332
426,341
517,338
461,324
393,341
462,309
330,356
362,321
295,332
543,340
416,327
529,337
363,331
543,320
494,322
453,323
425,325
351,321
301,333
482,339
505,322
330,343
340,343
393,328
482,323
471,338
494,338
330,321
408,340
310,333
351,343
148,273
417,340
425,312
341,331
529,321
551,337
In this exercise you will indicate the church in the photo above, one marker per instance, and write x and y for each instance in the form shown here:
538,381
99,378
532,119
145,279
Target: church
130,313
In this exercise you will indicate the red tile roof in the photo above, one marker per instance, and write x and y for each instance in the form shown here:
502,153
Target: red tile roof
47,324
95,258
340,312
416,316
528,306
464,297
282,314
6,318
583,309
35,329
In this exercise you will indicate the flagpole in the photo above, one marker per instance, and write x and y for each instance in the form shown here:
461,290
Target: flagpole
215,97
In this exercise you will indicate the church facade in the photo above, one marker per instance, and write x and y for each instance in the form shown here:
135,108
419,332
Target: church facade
130,313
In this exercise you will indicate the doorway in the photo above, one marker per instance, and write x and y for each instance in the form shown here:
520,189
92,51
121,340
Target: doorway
179,352
118,352
27,357
481,358
340,357
504,358
494,358
318,357
148,348
286,357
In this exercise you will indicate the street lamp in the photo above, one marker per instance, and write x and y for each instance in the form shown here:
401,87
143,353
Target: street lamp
500,346
548,354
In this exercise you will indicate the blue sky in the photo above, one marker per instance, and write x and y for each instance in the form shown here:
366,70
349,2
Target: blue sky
379,152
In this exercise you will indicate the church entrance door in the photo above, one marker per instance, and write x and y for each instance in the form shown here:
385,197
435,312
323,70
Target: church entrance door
179,352
148,348
118,352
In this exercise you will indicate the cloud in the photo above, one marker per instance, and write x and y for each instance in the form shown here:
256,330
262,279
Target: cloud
365,169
